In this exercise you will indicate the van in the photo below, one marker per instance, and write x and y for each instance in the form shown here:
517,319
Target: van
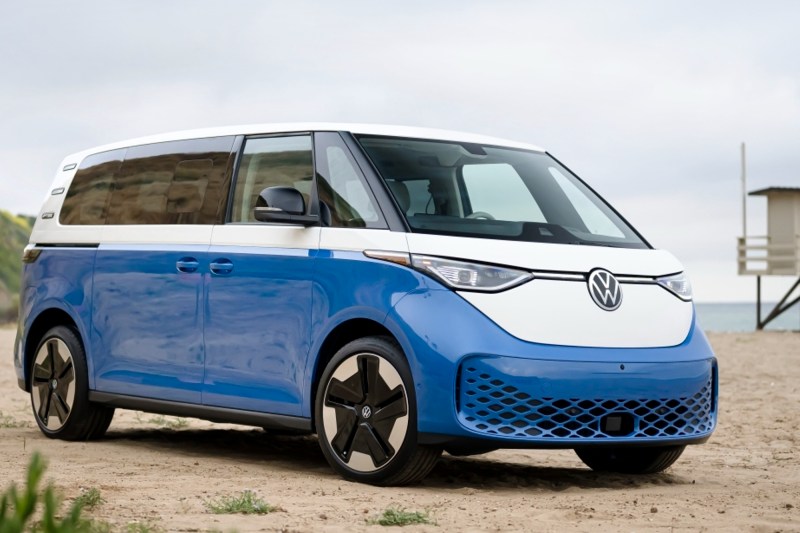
397,291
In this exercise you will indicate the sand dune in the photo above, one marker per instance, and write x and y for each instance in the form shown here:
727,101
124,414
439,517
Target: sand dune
162,471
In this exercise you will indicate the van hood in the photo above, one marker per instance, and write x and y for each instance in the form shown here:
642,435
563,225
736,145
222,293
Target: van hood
562,312
548,257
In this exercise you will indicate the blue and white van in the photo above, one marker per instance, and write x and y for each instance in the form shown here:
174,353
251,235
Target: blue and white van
397,291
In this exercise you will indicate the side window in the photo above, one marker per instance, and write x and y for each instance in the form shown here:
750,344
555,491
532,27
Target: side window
86,202
345,198
270,162
498,190
176,182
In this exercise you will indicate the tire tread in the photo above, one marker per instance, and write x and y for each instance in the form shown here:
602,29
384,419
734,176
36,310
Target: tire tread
419,466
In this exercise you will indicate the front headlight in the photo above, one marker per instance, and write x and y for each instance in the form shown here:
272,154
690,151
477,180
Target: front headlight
677,284
470,276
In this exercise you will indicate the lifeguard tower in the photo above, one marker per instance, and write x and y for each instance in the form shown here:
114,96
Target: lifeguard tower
778,252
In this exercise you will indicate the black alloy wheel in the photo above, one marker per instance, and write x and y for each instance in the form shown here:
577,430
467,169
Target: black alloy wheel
366,415
59,389
53,383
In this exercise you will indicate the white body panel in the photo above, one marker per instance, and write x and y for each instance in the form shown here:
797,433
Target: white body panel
362,239
563,313
549,257
266,235
184,234
49,229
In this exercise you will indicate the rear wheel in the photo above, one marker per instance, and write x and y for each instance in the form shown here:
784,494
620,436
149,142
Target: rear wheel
366,415
630,460
60,389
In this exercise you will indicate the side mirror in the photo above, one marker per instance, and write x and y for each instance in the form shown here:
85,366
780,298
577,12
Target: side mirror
283,204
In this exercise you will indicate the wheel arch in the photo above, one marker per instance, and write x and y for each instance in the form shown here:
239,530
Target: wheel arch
347,331
44,321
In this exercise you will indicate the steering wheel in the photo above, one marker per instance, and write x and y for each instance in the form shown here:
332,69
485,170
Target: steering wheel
481,215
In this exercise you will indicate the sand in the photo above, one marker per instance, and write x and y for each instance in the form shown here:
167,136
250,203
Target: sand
163,471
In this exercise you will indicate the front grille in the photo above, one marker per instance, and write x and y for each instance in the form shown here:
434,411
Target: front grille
489,404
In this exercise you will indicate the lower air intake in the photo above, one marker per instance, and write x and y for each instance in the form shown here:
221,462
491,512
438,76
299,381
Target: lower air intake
491,404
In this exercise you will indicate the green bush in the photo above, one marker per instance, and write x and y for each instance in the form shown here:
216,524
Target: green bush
245,503
397,516
14,232
17,508
89,498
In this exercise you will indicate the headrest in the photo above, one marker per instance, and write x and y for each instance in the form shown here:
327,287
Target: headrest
400,192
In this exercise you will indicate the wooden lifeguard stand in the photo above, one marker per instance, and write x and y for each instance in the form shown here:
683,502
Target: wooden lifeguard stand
778,252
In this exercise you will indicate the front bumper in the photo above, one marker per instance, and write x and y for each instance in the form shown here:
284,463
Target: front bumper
576,402
476,383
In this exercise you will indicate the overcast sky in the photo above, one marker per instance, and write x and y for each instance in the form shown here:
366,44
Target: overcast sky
647,101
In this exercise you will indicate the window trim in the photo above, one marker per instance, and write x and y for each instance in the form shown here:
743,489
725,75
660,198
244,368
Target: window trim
236,151
380,189
340,139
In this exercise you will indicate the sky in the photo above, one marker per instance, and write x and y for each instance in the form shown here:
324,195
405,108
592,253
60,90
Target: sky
649,102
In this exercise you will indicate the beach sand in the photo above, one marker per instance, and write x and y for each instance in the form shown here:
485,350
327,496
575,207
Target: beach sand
162,471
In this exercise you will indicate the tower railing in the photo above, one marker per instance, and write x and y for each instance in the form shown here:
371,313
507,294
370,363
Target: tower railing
757,256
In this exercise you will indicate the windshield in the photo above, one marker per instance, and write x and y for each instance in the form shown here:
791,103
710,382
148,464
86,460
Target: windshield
473,190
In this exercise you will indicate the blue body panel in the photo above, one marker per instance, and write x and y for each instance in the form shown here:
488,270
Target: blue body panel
347,286
258,324
147,322
249,338
61,278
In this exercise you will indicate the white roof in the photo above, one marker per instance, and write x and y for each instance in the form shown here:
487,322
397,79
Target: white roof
370,129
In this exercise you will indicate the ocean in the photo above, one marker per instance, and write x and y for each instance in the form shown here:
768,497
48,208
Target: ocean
742,317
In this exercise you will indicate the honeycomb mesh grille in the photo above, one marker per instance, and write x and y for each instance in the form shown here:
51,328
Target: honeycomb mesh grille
489,405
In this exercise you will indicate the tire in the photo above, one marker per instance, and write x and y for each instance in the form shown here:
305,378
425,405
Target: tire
60,389
366,416
630,460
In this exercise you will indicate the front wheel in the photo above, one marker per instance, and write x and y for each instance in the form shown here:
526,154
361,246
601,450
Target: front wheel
60,389
630,460
366,415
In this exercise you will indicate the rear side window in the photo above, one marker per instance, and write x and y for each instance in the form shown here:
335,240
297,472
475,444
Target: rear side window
177,182
87,199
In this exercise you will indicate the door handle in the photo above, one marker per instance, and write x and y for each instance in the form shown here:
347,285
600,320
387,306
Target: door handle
187,265
221,267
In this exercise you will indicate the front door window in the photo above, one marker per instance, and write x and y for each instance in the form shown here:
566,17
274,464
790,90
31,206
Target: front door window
269,162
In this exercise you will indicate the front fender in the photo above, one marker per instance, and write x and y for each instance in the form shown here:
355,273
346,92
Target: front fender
350,286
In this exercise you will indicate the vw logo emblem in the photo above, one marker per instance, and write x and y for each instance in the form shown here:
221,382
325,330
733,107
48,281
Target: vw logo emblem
366,412
604,288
